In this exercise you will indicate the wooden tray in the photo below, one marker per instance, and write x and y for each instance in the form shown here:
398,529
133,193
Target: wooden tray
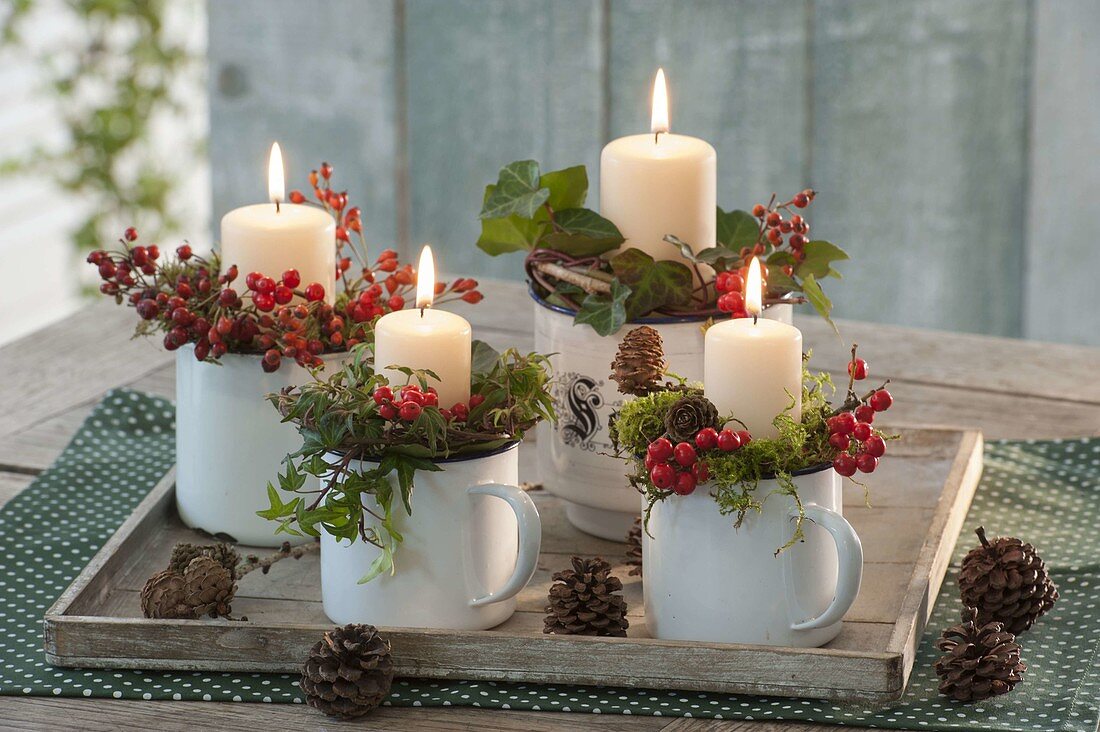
920,494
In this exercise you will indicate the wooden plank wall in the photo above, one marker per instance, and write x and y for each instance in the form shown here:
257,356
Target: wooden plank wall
954,143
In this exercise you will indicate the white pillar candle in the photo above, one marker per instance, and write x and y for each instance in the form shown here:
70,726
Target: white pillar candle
658,184
426,339
752,368
271,238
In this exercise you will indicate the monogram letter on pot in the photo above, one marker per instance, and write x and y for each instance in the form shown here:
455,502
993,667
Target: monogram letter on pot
753,372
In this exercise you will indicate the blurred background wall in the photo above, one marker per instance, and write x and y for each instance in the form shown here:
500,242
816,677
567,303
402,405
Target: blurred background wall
955,144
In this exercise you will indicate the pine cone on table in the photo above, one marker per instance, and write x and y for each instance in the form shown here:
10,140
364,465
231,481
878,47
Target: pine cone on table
982,660
164,596
222,553
634,548
209,586
639,364
586,600
1007,581
688,415
348,672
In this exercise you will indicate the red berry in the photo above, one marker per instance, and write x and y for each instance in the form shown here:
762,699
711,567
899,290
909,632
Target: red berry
773,218
396,302
382,395
759,211
857,369
736,282
315,292
866,462
861,431
864,413
410,410
839,441
684,454
801,200
707,438
139,255
774,236
874,446
412,395
387,411
148,309
272,356
251,280
700,471
744,436
721,282
797,241
842,424
183,251
291,278
663,476
460,411
296,196
476,400
728,440
130,234
661,448
264,301
785,227
845,464
431,399
650,461
283,294
684,485
473,297
731,302
184,290
881,400
153,250
326,171
266,285
107,270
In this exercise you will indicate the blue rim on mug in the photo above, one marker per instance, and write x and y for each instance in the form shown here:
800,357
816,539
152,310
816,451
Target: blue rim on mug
653,320
466,457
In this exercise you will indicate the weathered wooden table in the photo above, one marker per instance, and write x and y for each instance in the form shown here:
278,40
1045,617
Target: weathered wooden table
51,380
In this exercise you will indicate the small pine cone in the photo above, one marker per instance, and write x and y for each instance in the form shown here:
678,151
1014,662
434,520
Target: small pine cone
209,586
982,660
164,596
348,672
222,553
586,600
634,548
640,362
1007,581
688,415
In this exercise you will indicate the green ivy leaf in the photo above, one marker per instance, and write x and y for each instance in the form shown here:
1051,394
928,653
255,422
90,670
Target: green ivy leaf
720,257
653,284
817,298
737,229
820,255
568,187
605,314
483,357
517,192
382,563
511,234
581,232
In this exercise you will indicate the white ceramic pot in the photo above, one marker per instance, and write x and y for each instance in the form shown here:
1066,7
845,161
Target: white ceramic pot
574,459
706,581
230,442
471,544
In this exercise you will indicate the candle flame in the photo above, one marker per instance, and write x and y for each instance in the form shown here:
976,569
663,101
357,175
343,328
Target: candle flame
659,119
425,278
276,183
754,290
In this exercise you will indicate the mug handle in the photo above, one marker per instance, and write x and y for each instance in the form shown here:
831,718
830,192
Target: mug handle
850,571
530,539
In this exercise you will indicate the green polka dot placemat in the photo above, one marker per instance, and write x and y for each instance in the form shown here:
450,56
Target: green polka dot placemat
1045,492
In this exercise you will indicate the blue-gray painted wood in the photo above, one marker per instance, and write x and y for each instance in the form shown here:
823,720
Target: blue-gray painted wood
919,151
1063,266
736,73
911,118
317,77
490,82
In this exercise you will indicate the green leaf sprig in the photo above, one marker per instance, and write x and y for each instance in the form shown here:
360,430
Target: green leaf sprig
361,461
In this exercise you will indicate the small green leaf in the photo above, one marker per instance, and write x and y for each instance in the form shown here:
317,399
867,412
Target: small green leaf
820,255
568,187
605,314
737,229
720,256
653,284
683,247
483,357
509,234
817,298
382,563
516,192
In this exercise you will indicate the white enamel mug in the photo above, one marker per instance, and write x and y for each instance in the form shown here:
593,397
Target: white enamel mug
704,580
230,442
471,544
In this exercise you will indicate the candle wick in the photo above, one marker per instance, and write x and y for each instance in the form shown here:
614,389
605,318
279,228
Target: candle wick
422,308
276,205
754,318
656,136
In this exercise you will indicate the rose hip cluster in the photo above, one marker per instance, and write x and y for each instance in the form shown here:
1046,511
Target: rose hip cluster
408,403
851,433
192,301
780,227
678,468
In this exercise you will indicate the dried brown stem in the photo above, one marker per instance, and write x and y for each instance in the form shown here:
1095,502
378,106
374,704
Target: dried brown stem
589,284
253,562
